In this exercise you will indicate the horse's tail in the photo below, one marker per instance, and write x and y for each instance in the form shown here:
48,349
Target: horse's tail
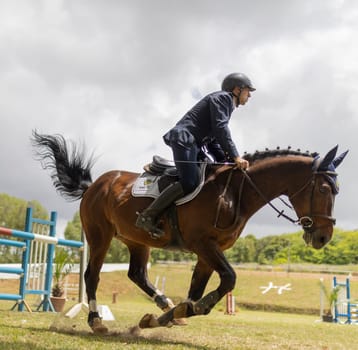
70,171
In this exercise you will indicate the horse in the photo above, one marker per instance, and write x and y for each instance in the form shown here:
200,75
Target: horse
207,225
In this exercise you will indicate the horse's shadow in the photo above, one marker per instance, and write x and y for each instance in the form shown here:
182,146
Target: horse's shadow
130,336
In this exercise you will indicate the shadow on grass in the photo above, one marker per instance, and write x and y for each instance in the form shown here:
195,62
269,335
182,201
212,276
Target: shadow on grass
20,345
126,337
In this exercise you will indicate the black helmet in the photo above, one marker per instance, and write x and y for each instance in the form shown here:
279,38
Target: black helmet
236,79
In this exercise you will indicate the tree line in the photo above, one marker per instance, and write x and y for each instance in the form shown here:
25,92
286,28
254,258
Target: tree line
12,215
268,250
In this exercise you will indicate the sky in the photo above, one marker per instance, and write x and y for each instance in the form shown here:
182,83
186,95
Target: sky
116,75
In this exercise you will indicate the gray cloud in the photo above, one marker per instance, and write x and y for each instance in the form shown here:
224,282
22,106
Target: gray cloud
116,75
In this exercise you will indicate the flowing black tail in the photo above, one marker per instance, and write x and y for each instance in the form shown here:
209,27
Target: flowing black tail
70,172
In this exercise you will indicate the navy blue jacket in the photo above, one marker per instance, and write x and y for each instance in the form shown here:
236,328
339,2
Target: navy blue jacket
206,122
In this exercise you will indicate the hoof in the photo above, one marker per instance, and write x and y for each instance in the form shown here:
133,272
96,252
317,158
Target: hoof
149,321
98,327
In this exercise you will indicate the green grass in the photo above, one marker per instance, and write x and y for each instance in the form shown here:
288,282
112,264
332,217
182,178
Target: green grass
304,296
245,330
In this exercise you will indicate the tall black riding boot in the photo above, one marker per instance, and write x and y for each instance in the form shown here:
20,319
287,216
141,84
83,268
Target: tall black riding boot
147,220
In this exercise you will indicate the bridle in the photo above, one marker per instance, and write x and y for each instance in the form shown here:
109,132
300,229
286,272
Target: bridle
306,221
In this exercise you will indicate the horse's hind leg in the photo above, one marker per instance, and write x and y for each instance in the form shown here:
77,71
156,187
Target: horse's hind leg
138,273
97,252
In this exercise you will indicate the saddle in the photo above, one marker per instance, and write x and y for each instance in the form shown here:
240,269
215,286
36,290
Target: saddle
161,166
158,175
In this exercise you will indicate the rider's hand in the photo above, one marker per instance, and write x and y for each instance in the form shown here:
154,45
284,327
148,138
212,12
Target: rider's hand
241,163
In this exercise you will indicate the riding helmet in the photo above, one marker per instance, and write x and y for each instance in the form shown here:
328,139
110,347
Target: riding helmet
236,79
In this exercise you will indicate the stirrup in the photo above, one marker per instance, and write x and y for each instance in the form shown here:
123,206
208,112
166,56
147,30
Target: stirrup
146,223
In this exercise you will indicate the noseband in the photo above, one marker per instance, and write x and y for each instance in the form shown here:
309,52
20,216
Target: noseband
306,221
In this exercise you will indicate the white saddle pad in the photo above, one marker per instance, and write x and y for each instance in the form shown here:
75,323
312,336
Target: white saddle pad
146,185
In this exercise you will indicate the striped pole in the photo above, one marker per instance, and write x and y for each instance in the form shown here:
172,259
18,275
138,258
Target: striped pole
36,237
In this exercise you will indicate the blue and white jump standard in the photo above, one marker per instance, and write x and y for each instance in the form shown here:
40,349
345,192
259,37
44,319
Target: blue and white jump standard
48,250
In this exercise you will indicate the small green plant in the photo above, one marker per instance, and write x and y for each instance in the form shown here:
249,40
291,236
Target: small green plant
63,265
331,297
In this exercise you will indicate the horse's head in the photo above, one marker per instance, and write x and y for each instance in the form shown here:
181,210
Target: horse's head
314,201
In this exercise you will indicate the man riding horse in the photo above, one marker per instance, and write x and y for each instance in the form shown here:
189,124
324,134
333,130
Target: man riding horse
206,123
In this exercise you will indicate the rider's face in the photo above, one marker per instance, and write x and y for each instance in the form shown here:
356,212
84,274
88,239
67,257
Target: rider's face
243,95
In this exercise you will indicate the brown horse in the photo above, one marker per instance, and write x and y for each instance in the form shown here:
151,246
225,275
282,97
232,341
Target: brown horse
208,224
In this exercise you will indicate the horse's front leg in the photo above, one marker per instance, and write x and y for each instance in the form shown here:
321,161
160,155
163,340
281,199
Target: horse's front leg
214,258
199,280
138,273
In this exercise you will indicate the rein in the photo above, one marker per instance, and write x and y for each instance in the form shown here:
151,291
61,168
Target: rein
280,212
305,221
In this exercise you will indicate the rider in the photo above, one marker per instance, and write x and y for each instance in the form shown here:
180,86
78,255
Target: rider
205,124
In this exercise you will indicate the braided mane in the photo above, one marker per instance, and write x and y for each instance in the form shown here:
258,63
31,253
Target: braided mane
258,155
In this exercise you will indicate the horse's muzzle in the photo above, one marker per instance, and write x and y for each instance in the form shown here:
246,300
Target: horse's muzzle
317,237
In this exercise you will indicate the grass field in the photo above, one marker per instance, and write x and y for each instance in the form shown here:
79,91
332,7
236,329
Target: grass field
245,330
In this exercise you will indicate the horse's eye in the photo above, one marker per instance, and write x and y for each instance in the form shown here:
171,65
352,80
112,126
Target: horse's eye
324,188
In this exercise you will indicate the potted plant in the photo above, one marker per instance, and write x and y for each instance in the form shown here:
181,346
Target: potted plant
331,298
62,267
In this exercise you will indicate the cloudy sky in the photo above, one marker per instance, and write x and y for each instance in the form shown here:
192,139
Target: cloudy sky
117,75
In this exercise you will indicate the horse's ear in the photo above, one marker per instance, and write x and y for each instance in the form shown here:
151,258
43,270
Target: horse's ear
328,159
339,159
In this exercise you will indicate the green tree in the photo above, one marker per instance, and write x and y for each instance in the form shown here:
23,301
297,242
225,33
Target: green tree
170,255
117,252
243,251
73,231
349,246
12,215
269,247
73,228
13,211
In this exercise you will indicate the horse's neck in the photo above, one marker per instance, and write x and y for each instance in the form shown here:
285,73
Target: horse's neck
275,178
